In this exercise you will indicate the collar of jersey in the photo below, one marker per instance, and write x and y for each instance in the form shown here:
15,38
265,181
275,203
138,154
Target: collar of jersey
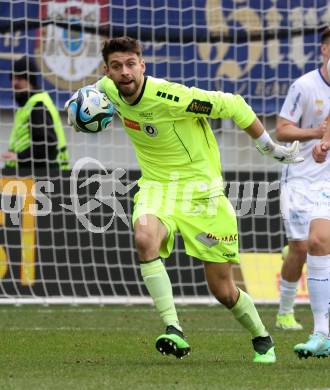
136,101
323,78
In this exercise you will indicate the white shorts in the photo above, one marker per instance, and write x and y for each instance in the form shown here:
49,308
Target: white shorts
321,195
302,203
295,209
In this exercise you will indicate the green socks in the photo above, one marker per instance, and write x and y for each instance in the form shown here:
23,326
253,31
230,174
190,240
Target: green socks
160,289
246,314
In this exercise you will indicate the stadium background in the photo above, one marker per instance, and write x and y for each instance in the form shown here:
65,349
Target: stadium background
249,47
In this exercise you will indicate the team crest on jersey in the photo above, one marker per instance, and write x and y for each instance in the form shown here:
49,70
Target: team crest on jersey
318,106
69,55
199,107
150,130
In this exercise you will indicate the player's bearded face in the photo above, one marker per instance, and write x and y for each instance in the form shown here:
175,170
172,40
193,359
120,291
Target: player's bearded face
126,70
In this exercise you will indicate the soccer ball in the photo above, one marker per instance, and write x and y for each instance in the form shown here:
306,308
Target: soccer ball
89,110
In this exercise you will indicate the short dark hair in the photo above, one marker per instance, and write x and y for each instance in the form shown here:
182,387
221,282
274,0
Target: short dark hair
325,34
122,44
26,68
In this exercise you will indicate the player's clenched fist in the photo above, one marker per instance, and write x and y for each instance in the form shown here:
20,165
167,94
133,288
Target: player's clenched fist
320,151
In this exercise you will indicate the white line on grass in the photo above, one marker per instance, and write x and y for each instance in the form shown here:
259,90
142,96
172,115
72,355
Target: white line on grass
124,309
104,329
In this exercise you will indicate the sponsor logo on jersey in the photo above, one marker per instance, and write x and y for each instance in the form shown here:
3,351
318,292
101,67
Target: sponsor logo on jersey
199,107
132,124
146,115
150,129
295,104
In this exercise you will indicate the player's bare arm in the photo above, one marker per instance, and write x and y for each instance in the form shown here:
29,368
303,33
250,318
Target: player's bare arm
255,129
320,150
288,131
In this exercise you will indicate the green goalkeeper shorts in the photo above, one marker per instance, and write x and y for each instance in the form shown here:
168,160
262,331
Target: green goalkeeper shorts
208,226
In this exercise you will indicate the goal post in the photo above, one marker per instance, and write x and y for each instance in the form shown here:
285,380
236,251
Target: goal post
49,252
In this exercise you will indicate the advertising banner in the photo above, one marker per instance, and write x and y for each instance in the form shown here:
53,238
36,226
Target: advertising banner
253,50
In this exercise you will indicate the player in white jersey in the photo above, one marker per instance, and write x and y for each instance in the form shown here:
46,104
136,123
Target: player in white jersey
318,260
304,200
302,117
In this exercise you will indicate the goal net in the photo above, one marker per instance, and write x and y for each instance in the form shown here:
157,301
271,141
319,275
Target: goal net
61,240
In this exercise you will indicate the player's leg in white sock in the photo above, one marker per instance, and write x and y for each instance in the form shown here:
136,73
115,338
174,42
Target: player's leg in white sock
288,291
318,280
318,265
291,271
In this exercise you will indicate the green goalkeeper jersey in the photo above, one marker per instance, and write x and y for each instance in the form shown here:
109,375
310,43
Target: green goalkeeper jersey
172,138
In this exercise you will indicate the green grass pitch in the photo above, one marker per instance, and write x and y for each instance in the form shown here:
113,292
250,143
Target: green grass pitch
112,347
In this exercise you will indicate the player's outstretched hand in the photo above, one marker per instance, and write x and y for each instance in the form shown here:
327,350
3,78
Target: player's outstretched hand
283,154
320,151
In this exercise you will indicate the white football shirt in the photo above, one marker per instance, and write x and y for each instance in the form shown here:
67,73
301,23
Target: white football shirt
307,104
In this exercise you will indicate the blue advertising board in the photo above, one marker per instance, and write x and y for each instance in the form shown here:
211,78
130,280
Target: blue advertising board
252,47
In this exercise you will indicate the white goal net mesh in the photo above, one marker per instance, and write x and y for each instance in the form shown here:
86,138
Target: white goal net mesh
48,252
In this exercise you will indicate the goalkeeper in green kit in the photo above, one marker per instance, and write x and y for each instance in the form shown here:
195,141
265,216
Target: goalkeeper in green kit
181,187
